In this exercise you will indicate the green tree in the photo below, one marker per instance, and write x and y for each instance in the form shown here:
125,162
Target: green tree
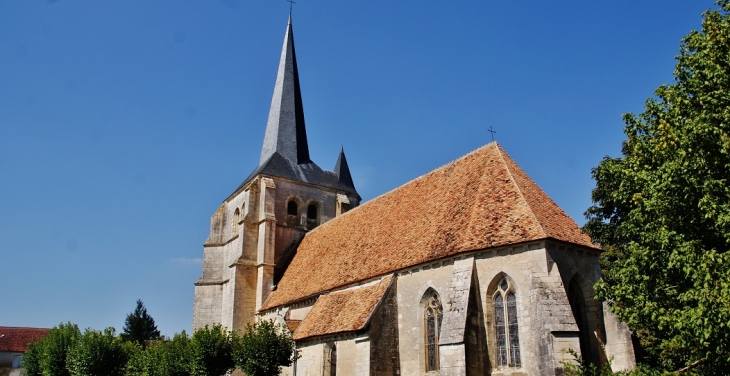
32,359
54,347
139,326
264,348
211,351
662,211
163,358
98,353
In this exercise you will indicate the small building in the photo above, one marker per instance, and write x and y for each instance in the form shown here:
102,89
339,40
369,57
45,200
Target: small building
14,343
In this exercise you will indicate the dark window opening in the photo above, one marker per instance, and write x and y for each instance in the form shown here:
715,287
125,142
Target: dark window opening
312,214
292,208
312,211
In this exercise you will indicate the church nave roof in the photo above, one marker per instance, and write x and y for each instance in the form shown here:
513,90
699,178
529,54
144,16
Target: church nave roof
482,200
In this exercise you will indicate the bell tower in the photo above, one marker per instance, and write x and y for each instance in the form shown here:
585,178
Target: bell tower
254,234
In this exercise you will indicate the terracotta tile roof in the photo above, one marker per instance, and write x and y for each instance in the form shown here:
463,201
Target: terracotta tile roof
479,201
13,339
293,324
342,311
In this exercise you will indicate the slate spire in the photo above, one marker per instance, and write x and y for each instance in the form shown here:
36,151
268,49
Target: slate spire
343,170
285,130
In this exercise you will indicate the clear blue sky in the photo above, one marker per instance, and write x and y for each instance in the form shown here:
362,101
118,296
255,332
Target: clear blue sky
124,124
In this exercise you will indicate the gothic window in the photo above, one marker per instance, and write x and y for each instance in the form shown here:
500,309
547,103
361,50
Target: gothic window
330,360
236,219
333,361
292,208
433,317
506,328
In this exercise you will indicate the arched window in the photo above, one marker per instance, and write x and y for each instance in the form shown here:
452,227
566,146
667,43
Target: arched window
505,322
333,361
312,215
330,360
292,208
236,219
433,317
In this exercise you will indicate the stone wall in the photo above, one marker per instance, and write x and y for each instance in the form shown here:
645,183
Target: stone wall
537,273
384,336
246,254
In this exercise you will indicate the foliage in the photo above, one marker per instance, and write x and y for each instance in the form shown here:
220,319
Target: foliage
579,367
32,359
139,326
54,348
211,351
264,348
163,358
138,363
662,211
98,353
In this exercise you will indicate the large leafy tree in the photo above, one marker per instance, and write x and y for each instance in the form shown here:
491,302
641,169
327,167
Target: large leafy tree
51,351
163,358
98,353
264,348
211,351
140,326
32,359
662,211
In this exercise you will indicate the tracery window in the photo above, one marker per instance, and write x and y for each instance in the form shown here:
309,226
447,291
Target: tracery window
433,318
506,328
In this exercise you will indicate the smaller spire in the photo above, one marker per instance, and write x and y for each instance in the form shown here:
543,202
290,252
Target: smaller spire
343,170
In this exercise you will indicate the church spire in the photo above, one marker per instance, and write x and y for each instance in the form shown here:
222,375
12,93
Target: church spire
285,130
343,170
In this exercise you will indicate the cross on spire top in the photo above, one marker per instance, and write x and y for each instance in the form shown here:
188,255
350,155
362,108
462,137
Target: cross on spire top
291,2
492,131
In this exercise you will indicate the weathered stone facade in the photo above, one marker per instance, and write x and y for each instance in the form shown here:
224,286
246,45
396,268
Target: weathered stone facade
255,232
466,283
468,270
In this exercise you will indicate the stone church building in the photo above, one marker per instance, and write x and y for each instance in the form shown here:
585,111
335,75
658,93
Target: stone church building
470,269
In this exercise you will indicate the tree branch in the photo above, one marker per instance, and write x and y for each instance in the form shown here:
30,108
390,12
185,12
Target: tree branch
685,369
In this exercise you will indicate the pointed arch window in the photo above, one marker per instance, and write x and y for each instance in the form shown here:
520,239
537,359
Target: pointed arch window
330,360
433,317
333,361
506,327
236,219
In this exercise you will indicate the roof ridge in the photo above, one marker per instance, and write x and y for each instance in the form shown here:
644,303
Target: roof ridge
438,169
519,190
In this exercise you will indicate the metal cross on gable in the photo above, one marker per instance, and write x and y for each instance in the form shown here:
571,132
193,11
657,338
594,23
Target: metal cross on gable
492,131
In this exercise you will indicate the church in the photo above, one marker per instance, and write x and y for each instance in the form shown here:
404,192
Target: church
470,269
